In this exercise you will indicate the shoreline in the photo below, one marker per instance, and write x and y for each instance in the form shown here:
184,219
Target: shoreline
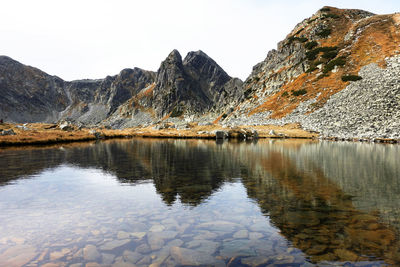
41,134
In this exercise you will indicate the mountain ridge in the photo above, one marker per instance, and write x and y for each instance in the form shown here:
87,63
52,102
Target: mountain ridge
334,54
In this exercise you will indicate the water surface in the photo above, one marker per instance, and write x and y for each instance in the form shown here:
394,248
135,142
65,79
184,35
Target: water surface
195,202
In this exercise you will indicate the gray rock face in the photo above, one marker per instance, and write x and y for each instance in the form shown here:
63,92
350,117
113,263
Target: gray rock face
192,86
28,94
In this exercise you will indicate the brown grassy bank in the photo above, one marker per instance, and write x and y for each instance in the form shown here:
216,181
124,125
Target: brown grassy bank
42,134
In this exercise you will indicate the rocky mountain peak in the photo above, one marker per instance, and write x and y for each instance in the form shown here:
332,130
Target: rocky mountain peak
174,57
199,63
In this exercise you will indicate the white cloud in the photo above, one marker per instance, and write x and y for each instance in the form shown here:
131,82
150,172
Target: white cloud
92,39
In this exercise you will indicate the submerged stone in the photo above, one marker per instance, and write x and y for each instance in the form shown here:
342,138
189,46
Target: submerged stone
203,246
241,234
186,256
55,255
18,255
255,261
90,253
131,256
240,247
111,245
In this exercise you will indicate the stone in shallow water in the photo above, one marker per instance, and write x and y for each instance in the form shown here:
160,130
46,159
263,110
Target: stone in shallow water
107,258
123,264
239,247
111,245
143,249
241,234
123,235
155,241
203,246
255,261
76,265
55,255
175,243
223,226
92,264
139,227
78,254
51,264
146,260
166,234
186,256
283,259
255,235
206,235
157,228
138,235
90,253
131,256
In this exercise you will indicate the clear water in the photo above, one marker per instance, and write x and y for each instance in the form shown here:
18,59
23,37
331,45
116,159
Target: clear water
198,203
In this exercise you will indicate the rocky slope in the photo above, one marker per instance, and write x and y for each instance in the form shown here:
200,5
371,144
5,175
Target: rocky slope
336,73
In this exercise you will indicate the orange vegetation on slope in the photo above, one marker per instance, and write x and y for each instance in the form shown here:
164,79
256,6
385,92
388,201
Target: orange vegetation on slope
375,38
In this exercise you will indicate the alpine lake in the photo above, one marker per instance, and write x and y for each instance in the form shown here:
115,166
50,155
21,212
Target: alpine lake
171,202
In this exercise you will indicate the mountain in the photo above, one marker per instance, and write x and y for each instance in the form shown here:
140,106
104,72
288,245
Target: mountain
335,73
190,87
31,95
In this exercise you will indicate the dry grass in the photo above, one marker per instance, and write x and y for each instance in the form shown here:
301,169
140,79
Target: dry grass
41,133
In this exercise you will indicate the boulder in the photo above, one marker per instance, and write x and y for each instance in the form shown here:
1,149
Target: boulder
8,132
221,134
98,135
65,126
191,257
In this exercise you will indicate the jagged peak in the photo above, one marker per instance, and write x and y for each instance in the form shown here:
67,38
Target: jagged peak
197,55
174,56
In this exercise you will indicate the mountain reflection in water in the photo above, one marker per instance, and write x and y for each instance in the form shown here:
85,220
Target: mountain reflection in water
336,202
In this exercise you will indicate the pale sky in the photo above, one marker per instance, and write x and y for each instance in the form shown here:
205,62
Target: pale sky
76,39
